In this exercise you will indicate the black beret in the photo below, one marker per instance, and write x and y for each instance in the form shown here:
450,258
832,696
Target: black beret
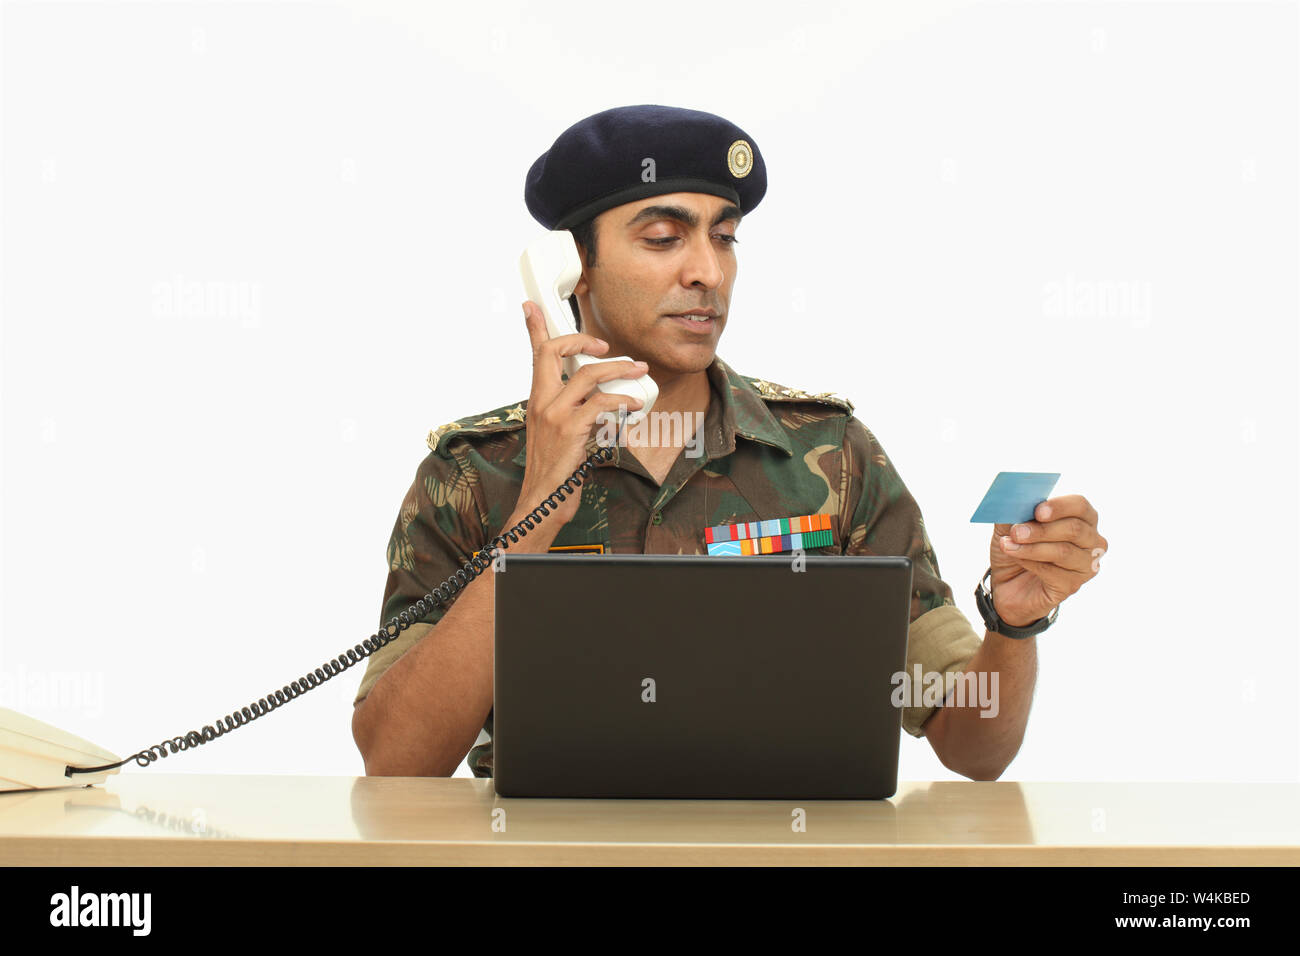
634,152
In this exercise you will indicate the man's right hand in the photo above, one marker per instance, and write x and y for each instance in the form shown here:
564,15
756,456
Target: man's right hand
562,415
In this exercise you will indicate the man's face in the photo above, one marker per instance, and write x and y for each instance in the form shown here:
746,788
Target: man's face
656,259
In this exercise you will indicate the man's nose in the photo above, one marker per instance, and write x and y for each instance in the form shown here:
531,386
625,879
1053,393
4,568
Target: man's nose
702,265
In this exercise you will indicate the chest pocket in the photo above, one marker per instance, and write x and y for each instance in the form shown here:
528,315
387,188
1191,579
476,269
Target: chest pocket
763,483
588,531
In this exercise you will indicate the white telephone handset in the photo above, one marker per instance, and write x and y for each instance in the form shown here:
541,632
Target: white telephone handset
550,267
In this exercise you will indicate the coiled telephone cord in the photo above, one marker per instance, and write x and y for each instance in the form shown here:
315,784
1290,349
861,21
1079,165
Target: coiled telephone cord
439,596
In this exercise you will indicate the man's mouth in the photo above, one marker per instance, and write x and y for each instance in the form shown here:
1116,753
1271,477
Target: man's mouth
698,324
697,320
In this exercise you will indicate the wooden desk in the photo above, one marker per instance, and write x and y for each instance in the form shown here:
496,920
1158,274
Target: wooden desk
155,819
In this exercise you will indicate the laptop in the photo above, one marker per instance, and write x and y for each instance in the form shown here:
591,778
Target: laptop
696,676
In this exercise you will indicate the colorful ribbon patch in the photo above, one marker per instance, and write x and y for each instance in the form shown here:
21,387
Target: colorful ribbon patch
771,536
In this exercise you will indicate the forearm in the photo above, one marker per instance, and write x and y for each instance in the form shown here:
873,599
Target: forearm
424,714
967,739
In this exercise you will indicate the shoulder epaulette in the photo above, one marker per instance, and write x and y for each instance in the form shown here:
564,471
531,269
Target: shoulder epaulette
499,419
773,392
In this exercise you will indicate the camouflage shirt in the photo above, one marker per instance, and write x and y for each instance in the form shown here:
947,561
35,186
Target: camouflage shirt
768,452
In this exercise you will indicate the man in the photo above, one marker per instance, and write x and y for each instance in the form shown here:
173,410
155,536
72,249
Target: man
654,196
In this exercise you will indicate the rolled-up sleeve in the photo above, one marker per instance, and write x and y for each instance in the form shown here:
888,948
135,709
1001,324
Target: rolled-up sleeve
886,520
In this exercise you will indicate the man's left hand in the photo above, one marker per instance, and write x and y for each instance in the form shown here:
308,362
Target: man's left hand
1057,553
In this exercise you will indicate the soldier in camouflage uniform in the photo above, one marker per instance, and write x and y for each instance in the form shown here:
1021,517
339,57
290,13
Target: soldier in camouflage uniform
767,452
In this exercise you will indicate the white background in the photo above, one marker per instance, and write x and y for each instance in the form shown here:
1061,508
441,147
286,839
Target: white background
1046,237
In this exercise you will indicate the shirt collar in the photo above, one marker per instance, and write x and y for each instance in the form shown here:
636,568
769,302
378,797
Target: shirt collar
741,411
736,408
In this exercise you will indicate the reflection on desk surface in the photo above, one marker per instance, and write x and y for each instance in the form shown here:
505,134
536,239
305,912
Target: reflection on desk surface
460,810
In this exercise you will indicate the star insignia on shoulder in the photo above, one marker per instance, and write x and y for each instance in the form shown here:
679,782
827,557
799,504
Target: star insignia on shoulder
775,393
502,416
435,436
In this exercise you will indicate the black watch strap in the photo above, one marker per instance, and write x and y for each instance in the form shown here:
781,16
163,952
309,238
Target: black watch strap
984,601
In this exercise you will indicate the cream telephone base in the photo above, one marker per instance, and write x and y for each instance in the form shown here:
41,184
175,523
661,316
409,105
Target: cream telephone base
34,755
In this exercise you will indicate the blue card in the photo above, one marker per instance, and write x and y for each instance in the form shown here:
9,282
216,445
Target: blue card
1013,496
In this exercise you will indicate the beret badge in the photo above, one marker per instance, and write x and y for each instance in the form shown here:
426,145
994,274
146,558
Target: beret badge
740,159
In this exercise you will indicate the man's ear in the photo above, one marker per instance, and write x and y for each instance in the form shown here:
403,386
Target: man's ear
582,287
579,290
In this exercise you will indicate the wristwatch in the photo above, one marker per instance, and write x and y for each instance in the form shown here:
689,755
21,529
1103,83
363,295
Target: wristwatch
984,601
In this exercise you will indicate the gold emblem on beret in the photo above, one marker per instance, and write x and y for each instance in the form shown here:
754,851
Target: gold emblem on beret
740,159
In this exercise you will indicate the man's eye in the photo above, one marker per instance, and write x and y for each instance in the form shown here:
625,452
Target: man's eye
729,239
